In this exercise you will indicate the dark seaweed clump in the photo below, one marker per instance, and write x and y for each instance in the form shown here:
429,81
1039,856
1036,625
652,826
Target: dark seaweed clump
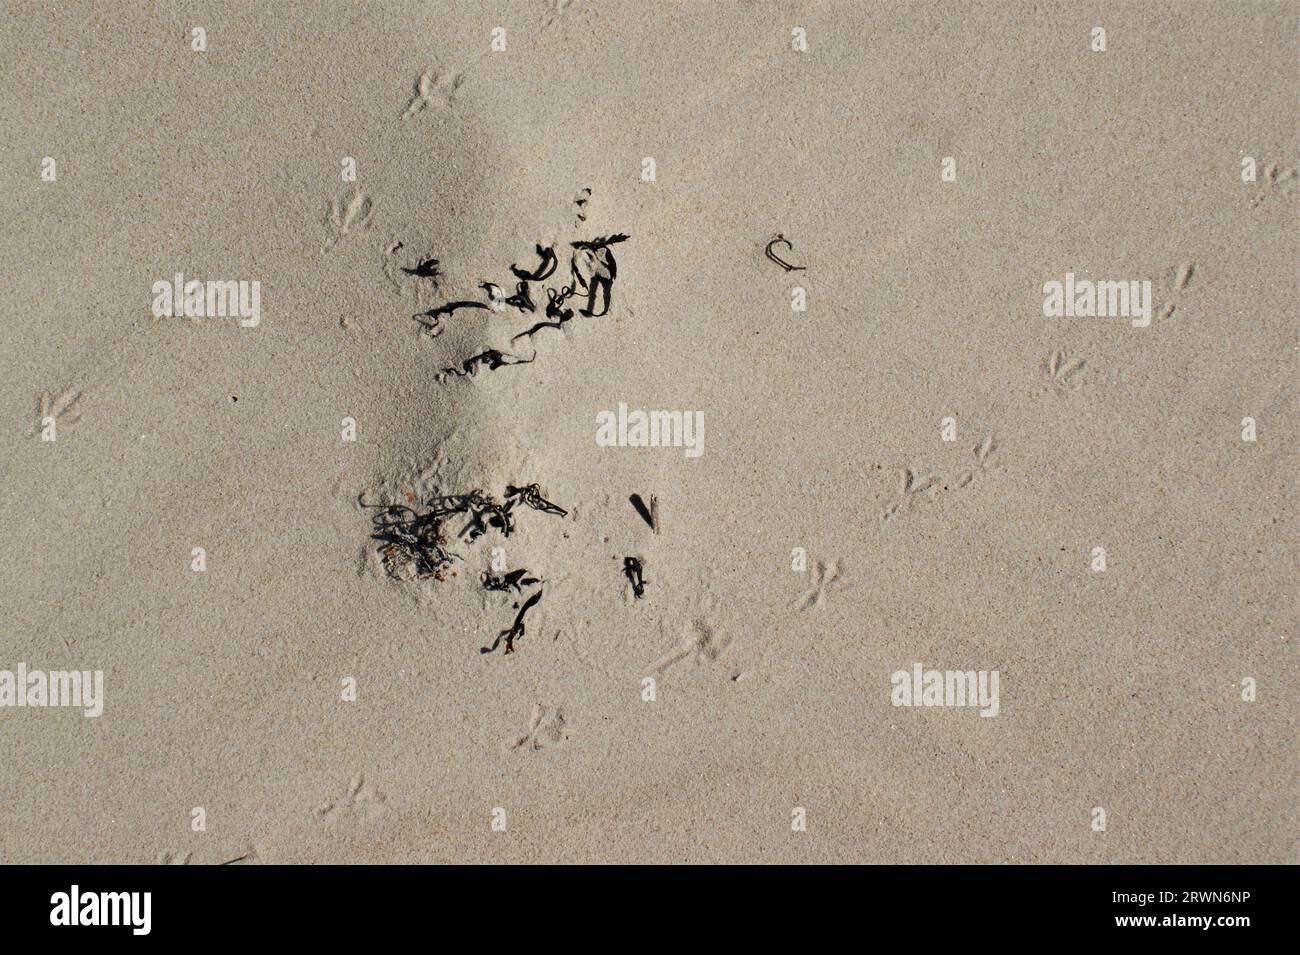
592,271
415,542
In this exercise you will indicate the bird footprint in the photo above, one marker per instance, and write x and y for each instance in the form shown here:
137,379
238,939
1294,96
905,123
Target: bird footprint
55,411
433,87
545,728
359,798
1061,369
916,489
350,211
826,574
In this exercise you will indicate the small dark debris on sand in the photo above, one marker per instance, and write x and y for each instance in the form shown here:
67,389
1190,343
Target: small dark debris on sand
634,570
517,628
532,496
772,256
514,580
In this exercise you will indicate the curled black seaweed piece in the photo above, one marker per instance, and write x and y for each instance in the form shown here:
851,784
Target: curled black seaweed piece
601,241
486,515
634,570
497,299
491,359
451,504
555,303
553,310
531,495
521,299
543,271
516,630
432,319
451,308
594,271
514,580
780,261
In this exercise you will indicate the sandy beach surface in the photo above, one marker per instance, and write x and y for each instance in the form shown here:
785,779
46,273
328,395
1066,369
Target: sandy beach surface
256,533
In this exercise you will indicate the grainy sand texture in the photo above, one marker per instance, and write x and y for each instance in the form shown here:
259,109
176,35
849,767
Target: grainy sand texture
949,350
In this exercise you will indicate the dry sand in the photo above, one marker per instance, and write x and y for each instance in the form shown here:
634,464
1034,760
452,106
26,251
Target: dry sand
1120,690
